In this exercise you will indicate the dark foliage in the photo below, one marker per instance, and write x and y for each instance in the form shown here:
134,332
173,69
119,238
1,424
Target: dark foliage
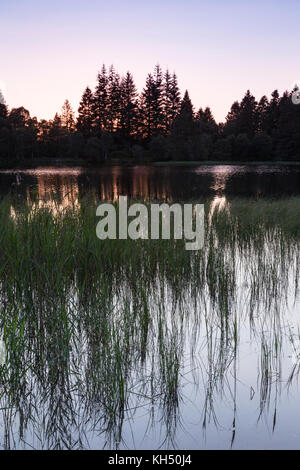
114,122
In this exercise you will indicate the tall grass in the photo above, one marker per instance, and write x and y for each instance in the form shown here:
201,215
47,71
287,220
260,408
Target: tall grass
96,330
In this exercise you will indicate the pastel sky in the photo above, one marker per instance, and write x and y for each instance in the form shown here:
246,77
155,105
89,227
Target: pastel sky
51,50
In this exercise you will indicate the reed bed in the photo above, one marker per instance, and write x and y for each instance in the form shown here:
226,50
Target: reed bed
96,330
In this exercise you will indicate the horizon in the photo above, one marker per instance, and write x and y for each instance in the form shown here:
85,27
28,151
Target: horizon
60,49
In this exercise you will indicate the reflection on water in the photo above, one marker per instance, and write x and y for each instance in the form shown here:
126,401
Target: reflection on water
220,177
167,349
219,203
153,183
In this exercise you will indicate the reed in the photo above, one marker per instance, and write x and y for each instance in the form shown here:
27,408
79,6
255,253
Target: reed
94,330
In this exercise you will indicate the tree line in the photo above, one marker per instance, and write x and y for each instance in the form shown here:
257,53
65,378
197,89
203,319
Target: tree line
115,122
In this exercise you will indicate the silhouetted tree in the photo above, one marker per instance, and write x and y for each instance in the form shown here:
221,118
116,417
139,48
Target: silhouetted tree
184,131
171,100
114,101
157,101
146,108
151,104
129,107
207,121
19,117
243,117
100,102
67,116
116,122
85,114
272,114
262,110
231,125
287,130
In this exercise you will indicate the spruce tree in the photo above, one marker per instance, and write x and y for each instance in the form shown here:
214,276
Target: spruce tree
85,114
243,117
171,100
248,117
231,124
174,98
262,110
184,131
157,101
206,120
272,114
151,104
146,108
128,107
114,100
100,102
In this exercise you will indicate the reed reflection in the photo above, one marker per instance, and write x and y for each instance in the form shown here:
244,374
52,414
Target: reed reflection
106,338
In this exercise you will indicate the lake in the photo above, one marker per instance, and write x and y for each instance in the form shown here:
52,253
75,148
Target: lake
142,345
155,183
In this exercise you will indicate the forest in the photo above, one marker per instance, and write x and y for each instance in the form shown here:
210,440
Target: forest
115,122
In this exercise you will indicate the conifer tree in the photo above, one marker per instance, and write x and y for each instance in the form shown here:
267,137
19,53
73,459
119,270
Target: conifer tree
100,102
146,107
184,130
171,101
129,106
157,101
262,110
151,104
114,100
67,116
207,121
174,98
85,113
230,126
243,117
272,113
248,118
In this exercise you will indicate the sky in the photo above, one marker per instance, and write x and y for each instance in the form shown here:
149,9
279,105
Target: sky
51,50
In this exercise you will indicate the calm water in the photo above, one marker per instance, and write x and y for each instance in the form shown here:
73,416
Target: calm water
232,394
159,183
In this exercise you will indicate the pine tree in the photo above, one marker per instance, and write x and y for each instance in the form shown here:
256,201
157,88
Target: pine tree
272,114
157,102
114,100
171,100
248,118
85,114
129,106
243,117
262,110
207,121
230,126
184,130
100,102
186,108
151,104
174,98
67,116
145,108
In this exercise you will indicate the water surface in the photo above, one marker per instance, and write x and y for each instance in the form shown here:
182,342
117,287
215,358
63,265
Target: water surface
215,357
